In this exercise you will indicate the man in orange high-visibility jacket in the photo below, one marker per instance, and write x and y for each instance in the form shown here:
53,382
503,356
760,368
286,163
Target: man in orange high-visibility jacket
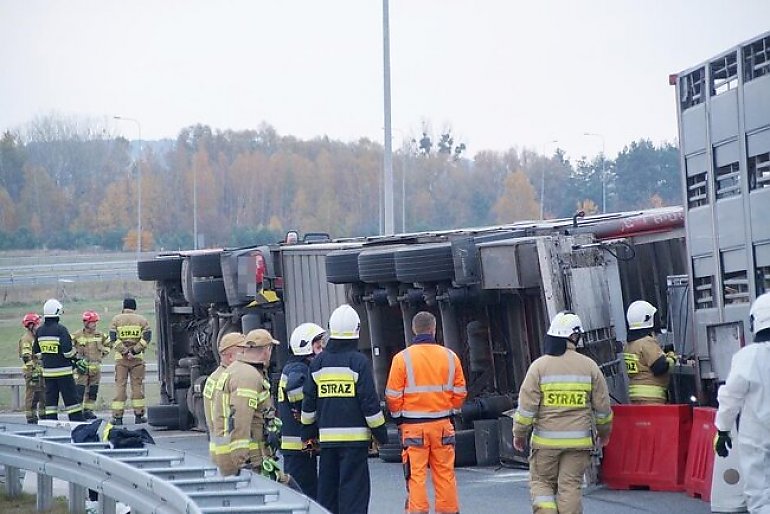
425,387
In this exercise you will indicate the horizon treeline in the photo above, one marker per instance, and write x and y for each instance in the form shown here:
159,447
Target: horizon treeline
66,185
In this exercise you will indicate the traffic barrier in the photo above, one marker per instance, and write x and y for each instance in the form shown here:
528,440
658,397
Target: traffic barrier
648,447
700,454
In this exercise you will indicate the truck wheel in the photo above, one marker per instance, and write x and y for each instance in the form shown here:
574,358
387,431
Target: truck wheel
163,416
206,264
160,268
465,448
342,266
390,452
209,290
378,265
249,322
425,263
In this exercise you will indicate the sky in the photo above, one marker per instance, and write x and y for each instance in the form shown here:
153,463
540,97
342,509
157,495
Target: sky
498,73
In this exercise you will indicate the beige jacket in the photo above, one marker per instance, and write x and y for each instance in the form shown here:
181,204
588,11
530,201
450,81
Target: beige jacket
560,399
131,331
93,346
642,384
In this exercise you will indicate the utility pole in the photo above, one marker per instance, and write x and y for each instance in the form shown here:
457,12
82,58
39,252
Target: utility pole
388,157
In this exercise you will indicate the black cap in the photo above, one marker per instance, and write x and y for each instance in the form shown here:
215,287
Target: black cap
129,303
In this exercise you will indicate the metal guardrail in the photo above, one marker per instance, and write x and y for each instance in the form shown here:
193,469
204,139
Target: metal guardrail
151,480
13,377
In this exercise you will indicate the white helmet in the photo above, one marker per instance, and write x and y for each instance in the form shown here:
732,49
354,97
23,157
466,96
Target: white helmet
640,314
564,324
52,308
301,342
344,323
759,315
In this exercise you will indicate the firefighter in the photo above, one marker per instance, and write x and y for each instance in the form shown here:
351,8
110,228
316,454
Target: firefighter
129,334
425,387
91,346
250,407
563,394
34,385
215,400
648,367
340,405
745,392
305,343
54,344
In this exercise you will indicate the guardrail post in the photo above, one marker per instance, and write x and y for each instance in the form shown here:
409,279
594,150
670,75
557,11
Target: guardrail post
12,481
44,492
107,505
16,397
77,499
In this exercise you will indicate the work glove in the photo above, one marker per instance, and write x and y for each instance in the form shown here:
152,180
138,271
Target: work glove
723,443
81,365
672,359
270,469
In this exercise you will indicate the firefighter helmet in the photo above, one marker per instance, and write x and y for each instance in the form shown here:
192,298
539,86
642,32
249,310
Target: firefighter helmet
31,318
90,316
344,323
52,308
759,315
301,342
640,314
565,324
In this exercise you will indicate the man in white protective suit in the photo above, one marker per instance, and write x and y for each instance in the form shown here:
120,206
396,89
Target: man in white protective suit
747,391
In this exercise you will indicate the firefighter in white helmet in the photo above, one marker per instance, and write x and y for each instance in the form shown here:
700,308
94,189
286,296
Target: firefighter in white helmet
648,367
746,393
563,395
302,464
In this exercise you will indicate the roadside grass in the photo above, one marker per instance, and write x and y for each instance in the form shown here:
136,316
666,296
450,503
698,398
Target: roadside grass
26,504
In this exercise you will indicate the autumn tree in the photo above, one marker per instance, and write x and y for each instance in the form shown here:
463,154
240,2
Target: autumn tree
518,200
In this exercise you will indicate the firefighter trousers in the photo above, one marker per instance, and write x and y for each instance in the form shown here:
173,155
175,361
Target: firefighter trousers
64,386
429,445
303,467
343,480
125,369
88,386
34,400
556,478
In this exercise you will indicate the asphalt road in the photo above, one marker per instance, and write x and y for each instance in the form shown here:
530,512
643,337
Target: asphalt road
483,490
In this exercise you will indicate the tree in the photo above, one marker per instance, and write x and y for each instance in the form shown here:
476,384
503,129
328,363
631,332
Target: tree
518,201
643,170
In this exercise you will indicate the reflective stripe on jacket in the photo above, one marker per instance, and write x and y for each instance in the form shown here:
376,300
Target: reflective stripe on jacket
93,346
293,377
425,383
560,398
54,344
639,355
248,398
131,333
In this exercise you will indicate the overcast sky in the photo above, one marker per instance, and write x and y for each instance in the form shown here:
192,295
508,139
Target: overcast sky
500,73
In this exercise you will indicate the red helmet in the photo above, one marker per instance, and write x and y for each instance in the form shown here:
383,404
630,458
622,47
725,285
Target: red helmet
30,318
90,316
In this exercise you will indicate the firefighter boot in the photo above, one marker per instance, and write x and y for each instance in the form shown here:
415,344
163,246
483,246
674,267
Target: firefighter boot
117,421
139,419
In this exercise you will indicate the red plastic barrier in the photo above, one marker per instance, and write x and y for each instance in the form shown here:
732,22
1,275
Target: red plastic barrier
648,447
700,456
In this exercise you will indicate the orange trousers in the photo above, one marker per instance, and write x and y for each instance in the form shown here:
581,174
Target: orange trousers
429,445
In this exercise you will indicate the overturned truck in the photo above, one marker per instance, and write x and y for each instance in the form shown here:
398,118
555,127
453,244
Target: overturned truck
493,290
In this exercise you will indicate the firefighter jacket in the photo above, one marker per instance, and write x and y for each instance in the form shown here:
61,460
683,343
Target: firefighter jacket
31,362
560,398
426,383
129,332
249,400
341,399
639,355
290,386
216,405
92,346
54,344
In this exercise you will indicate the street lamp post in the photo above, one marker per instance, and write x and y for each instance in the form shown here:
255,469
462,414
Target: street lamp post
388,157
542,180
604,173
138,185
195,204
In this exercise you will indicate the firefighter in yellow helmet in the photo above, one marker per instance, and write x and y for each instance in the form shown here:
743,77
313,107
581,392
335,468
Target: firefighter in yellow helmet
34,386
91,346
130,334
563,395
216,403
251,410
648,367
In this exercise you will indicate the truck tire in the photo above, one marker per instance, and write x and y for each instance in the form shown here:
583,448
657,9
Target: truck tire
187,281
249,322
160,268
465,448
208,291
378,266
425,263
390,452
166,416
206,265
342,266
